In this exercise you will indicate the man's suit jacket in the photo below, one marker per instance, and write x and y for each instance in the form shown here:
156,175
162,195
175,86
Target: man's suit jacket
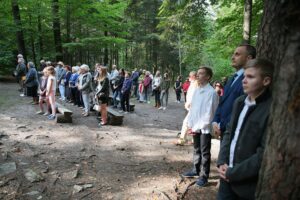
231,93
243,176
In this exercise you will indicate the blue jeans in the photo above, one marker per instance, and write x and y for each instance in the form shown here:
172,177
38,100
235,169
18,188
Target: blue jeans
86,102
115,96
62,91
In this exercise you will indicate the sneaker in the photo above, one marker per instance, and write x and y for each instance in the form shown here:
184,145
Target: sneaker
22,95
51,117
46,114
39,112
148,102
86,114
201,182
164,108
126,112
121,111
190,174
160,108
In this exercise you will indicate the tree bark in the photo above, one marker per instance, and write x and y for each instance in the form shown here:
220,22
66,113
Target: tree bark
40,37
68,27
19,33
32,40
56,30
279,41
247,22
106,50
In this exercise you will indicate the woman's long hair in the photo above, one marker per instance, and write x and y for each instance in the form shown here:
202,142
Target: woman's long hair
103,74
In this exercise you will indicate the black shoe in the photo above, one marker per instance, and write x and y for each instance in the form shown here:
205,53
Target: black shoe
190,174
201,182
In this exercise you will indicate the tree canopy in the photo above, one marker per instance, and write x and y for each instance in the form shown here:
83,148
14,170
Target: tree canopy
171,35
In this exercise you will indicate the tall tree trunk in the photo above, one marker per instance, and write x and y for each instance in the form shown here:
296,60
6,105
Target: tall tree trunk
56,30
247,21
40,37
68,26
106,50
32,40
279,41
19,33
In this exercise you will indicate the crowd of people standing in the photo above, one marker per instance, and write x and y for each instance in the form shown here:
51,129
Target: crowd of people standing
237,113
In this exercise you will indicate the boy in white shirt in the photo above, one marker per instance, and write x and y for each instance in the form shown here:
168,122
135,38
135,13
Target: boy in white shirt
202,109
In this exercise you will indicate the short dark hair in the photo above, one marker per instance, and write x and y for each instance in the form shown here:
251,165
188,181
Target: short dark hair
208,71
251,50
266,67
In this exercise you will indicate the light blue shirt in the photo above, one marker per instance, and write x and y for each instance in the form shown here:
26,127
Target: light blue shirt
239,73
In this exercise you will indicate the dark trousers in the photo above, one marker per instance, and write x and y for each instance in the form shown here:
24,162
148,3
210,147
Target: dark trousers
184,94
178,95
157,97
125,101
202,156
68,92
226,193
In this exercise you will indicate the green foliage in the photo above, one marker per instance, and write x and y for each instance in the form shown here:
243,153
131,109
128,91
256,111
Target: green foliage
135,33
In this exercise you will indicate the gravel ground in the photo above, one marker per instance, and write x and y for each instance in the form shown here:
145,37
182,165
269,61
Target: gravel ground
138,160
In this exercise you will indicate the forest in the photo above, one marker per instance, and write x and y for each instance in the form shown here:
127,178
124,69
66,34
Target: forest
175,36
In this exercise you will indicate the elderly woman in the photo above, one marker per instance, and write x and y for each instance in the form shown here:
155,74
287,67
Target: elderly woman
102,93
85,86
31,82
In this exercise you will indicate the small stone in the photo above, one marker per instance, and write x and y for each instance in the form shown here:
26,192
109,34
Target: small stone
88,186
22,126
28,136
32,176
32,193
7,168
77,189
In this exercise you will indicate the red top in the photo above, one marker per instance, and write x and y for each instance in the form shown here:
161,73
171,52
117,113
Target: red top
185,86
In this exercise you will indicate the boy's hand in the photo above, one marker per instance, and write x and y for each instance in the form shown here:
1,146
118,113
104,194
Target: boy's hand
222,171
216,129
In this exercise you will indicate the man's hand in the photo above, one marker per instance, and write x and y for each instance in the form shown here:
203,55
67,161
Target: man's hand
222,171
187,106
216,130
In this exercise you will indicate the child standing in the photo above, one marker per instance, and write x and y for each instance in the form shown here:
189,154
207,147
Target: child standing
43,98
50,91
244,140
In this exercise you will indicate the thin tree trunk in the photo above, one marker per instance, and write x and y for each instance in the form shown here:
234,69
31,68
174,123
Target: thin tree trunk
106,50
279,41
40,34
68,26
56,30
19,33
32,40
247,21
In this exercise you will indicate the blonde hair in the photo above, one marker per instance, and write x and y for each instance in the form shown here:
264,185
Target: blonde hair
51,70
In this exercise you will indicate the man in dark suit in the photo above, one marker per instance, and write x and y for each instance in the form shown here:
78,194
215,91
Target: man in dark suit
233,88
243,142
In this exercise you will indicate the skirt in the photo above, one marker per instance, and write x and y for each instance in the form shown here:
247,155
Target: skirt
32,91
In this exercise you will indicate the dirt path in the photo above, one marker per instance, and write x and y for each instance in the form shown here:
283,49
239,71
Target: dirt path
43,160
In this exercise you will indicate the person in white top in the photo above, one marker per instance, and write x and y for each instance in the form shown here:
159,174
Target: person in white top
202,109
193,85
50,91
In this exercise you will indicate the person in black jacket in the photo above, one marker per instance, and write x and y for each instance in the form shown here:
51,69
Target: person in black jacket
243,143
31,82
